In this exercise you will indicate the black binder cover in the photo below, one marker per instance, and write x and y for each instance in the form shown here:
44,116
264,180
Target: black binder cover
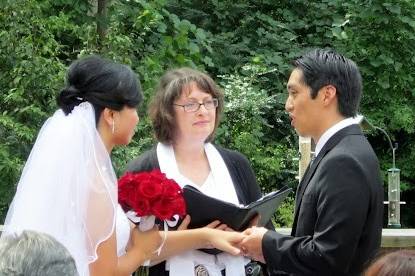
204,209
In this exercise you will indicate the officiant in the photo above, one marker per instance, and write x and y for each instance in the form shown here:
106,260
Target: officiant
185,113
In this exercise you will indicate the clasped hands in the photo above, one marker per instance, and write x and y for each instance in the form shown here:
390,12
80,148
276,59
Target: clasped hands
251,244
249,241
217,235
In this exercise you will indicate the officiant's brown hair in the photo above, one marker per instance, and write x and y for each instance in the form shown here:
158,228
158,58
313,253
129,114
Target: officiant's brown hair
170,87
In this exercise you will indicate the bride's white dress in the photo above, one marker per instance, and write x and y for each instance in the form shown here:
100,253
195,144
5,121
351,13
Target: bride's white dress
122,231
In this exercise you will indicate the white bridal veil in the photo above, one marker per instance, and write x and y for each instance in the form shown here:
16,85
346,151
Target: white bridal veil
68,186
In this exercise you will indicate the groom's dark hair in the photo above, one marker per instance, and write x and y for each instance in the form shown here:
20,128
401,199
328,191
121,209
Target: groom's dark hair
321,67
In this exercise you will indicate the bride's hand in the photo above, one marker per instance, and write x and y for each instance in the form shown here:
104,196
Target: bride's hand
146,242
227,241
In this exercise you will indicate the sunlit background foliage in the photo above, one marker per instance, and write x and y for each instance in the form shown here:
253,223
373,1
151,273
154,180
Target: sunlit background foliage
245,45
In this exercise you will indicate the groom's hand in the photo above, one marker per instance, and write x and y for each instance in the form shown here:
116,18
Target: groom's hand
251,245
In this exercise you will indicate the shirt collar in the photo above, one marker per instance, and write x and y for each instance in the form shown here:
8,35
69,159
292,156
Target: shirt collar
331,131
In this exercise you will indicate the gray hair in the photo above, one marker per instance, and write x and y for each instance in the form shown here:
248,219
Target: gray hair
34,254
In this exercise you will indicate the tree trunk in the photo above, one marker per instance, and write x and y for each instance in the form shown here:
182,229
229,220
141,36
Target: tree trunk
102,20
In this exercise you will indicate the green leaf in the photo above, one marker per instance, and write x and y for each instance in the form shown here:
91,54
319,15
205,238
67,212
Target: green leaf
408,20
384,83
200,34
396,9
162,28
193,48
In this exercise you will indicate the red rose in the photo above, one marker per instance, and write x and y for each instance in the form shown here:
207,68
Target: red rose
161,209
126,188
178,206
151,193
149,188
142,207
171,189
158,176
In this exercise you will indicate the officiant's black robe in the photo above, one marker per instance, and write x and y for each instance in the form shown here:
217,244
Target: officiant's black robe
239,169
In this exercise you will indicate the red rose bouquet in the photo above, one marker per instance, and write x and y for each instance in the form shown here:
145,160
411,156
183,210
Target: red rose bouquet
147,196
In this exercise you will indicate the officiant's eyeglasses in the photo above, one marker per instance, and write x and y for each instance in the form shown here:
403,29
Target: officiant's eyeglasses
193,107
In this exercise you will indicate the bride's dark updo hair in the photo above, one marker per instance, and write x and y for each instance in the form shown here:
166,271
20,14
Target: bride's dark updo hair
101,82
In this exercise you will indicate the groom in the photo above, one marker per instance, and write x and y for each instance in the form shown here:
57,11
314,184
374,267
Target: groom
339,202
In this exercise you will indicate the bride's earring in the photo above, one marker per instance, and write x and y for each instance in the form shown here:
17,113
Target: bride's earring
113,127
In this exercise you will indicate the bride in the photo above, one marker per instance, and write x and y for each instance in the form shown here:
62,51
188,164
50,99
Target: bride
68,188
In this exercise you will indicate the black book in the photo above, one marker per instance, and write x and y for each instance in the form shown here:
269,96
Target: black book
204,209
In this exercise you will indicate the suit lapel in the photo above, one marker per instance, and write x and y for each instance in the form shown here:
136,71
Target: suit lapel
331,143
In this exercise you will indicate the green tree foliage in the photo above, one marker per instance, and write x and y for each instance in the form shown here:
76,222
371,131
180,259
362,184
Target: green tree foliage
381,38
245,45
378,35
40,38
245,127
30,69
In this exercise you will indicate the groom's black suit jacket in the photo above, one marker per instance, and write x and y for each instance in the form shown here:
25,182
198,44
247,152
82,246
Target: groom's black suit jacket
338,212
